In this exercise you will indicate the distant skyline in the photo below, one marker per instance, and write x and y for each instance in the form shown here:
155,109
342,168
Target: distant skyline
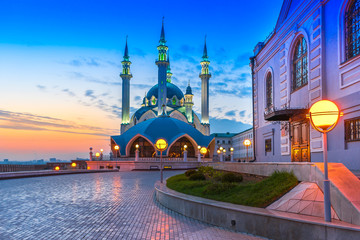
60,63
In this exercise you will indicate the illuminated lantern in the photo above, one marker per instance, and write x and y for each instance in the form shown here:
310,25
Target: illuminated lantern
161,144
73,164
324,115
247,142
57,168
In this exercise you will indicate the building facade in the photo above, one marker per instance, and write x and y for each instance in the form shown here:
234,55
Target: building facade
312,54
241,153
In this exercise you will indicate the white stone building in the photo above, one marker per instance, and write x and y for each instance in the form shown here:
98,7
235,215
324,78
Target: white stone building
240,151
312,54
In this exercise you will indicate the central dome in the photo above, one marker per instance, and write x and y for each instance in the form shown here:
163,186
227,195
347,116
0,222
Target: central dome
172,90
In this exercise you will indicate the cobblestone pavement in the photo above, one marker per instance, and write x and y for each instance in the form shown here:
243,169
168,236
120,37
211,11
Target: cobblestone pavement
117,205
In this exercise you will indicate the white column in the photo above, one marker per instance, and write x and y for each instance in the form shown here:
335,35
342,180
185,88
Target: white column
185,155
137,155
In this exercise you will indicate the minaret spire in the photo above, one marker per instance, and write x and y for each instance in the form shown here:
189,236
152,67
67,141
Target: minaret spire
125,76
162,62
205,76
205,56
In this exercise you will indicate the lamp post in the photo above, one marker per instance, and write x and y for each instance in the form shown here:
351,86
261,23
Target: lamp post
137,152
101,154
161,145
219,152
247,143
224,153
199,154
203,151
116,150
185,153
73,164
231,154
91,154
324,115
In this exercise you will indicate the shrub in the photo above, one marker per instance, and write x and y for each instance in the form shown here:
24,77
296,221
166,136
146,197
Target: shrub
207,170
197,176
190,172
218,188
231,177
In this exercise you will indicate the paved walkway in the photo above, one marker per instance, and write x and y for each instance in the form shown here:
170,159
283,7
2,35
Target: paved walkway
117,205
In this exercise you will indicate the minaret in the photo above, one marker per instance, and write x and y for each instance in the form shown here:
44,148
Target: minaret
168,70
205,76
162,63
126,76
189,103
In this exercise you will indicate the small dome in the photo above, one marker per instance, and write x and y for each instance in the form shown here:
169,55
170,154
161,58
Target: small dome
172,90
188,90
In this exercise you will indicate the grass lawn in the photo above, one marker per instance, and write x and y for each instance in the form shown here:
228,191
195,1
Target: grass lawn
255,194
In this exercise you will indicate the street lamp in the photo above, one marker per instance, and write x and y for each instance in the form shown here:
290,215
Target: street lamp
231,154
224,153
185,153
137,152
203,151
324,115
97,155
199,154
247,143
73,164
57,168
101,154
161,145
116,150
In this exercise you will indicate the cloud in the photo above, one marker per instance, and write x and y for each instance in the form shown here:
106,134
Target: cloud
230,113
137,98
90,93
66,90
41,87
84,62
242,113
28,121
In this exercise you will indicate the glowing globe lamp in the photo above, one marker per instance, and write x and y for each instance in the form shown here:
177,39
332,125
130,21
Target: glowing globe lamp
221,148
73,164
224,150
137,146
199,147
97,154
88,168
203,150
231,149
218,151
57,168
247,142
161,144
324,115
116,147
101,150
185,146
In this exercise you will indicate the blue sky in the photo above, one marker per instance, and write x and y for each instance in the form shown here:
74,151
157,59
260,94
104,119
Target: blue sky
61,60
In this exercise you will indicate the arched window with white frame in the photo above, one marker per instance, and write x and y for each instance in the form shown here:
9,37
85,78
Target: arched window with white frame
352,30
300,64
269,91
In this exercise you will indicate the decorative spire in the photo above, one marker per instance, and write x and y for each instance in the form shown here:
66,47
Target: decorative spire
205,56
162,35
126,53
188,89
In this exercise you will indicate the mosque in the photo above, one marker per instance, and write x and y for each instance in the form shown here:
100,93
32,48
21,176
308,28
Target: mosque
166,112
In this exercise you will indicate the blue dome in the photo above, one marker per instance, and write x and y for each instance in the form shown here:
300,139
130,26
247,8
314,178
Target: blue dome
172,90
161,127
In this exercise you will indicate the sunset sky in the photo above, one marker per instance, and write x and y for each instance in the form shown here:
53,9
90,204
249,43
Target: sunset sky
60,63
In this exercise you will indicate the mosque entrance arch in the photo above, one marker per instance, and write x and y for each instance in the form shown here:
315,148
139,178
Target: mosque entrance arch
177,149
146,149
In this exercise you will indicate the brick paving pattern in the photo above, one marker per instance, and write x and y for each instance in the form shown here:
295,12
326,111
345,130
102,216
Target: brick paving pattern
117,205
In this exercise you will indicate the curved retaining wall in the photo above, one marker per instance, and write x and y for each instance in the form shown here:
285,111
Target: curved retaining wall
256,221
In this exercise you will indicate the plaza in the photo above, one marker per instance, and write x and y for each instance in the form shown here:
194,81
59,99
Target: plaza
118,205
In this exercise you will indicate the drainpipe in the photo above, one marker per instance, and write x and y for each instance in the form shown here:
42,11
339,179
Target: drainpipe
252,65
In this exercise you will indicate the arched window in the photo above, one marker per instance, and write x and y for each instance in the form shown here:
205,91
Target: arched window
146,149
269,91
177,149
352,18
300,65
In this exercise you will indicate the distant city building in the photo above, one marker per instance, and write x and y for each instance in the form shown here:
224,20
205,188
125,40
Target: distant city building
6,160
165,112
312,54
52,159
240,151
225,141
